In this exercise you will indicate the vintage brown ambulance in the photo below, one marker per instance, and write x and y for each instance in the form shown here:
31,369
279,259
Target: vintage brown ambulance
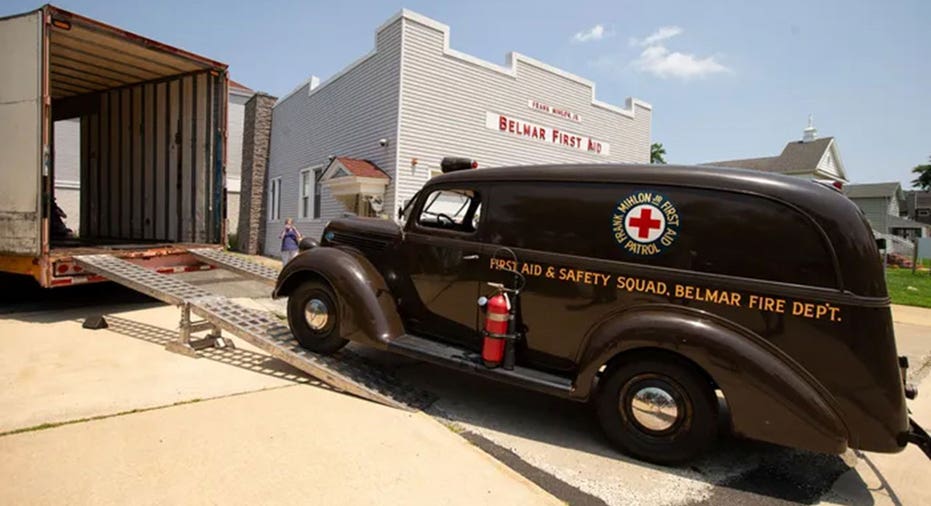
652,292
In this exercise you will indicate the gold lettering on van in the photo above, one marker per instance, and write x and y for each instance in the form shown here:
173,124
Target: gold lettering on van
676,291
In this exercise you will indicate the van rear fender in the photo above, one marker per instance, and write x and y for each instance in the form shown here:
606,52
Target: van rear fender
770,397
366,306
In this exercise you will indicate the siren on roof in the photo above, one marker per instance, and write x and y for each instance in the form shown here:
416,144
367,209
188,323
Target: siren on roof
454,163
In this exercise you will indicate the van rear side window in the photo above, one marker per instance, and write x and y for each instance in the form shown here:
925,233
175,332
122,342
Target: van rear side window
718,232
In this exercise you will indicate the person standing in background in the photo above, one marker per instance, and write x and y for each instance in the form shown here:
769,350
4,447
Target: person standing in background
290,239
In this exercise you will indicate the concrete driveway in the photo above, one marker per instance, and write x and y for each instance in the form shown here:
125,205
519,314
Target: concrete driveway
110,417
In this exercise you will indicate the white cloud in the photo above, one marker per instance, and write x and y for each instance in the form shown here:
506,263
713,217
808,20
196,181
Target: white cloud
596,32
663,63
664,32
656,59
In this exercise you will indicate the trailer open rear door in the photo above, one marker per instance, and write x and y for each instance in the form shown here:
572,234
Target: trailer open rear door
20,134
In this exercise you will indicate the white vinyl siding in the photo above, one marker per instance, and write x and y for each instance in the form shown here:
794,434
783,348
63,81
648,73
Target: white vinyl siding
876,211
68,171
343,116
235,119
430,101
236,114
446,96
274,199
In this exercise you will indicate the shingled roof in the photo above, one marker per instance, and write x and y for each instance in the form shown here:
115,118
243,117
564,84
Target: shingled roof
800,156
797,157
872,190
747,163
355,167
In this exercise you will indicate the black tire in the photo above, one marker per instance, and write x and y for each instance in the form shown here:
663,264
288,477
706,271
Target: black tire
324,340
694,428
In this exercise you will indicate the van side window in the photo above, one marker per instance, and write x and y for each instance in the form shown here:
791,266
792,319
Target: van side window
452,209
720,232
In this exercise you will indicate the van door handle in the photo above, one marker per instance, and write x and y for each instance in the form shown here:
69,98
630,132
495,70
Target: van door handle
470,257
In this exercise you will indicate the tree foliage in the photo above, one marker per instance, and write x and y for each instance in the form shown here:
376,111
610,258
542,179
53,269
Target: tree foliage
658,153
923,180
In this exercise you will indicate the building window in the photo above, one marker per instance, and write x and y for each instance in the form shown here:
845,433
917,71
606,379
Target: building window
924,212
274,199
317,173
305,202
309,201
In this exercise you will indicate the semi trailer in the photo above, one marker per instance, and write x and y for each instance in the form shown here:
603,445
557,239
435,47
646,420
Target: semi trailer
151,150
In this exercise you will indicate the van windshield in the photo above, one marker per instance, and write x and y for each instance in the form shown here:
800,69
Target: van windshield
405,212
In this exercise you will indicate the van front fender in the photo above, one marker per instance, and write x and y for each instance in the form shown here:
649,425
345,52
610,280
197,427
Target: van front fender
367,311
770,396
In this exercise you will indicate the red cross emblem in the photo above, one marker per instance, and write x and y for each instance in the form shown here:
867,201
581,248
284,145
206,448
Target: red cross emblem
644,223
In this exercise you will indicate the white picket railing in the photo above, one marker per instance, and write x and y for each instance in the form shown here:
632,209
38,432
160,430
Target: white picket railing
896,244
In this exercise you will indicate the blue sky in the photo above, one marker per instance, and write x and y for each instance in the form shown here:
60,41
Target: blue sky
726,79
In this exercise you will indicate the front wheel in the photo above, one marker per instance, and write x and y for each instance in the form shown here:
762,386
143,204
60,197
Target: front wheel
314,318
658,409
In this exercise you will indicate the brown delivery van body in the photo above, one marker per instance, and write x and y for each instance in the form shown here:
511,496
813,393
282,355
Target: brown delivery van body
645,290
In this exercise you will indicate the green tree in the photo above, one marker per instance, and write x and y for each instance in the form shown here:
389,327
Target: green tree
658,154
923,180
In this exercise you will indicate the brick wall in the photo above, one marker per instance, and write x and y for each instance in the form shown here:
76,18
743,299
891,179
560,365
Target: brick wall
257,124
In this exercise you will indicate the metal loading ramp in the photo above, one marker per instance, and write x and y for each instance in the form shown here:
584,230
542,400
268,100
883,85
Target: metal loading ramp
235,263
344,371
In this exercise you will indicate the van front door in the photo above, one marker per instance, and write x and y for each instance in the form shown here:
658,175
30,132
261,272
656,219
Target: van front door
443,260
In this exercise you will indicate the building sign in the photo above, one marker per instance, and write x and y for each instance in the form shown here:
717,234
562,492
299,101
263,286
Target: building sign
550,135
555,111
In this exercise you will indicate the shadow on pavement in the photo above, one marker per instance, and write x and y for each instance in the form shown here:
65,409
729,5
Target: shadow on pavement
236,357
22,294
742,471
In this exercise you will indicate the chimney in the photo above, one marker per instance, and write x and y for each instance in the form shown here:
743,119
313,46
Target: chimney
810,133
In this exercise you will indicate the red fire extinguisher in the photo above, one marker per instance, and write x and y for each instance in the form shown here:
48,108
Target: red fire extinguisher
497,313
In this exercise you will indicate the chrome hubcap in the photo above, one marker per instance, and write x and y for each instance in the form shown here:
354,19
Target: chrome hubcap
317,314
654,408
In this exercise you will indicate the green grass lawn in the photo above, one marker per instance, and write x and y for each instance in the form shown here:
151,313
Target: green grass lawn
899,280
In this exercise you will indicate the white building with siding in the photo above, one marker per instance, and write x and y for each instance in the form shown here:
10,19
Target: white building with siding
376,131
238,96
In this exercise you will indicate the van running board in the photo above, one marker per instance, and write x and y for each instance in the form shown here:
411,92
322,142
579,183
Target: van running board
344,371
446,355
237,264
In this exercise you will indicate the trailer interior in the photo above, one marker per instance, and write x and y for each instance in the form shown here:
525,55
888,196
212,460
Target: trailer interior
150,140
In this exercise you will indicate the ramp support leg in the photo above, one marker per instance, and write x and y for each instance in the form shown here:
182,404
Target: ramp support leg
186,346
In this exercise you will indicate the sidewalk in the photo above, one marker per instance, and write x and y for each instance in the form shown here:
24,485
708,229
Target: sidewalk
233,427
912,315
297,445
890,478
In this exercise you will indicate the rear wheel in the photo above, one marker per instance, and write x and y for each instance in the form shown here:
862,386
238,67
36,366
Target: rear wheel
314,318
658,409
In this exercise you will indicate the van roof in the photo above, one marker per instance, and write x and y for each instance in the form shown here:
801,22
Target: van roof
675,175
